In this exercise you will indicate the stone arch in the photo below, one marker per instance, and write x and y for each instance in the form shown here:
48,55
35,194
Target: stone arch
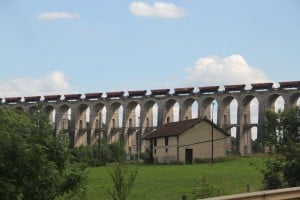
171,108
32,109
82,117
248,120
115,110
114,122
63,117
294,99
189,109
132,127
132,115
97,115
275,102
150,114
226,115
50,113
19,108
207,105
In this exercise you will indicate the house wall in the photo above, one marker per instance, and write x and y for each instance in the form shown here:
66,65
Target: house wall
163,153
197,138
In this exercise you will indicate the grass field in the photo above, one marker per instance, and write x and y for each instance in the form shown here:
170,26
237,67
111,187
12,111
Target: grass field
172,181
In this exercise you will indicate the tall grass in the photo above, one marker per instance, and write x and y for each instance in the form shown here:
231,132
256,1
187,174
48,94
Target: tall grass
172,181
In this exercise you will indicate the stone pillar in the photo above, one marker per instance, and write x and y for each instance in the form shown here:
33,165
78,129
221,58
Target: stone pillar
244,130
94,125
220,117
72,127
78,121
226,116
169,116
185,110
130,128
112,121
161,115
204,110
261,116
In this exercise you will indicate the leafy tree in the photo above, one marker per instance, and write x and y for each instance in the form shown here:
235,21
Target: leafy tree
34,163
281,132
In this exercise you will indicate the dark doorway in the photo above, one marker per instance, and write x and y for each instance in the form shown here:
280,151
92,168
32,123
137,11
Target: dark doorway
188,156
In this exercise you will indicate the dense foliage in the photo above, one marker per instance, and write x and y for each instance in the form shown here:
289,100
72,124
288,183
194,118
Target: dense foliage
282,136
89,155
34,163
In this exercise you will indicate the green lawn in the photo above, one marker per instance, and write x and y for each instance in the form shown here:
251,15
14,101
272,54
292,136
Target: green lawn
171,181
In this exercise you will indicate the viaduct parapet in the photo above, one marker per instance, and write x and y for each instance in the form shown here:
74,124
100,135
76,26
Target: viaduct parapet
127,118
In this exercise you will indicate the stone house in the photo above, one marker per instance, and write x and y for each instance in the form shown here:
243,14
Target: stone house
185,141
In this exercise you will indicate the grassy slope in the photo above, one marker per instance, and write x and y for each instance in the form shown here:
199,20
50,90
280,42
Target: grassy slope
171,181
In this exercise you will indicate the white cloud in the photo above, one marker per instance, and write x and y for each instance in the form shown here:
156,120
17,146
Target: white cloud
157,10
53,83
57,16
223,71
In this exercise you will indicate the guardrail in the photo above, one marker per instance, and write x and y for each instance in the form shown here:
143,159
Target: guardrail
286,193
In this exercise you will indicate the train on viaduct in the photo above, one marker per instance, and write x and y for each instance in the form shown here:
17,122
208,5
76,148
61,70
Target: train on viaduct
127,118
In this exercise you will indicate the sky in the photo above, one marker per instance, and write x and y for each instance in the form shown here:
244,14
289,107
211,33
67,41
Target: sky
83,46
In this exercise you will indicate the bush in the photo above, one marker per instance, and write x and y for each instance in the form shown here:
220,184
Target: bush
147,156
205,190
123,180
89,155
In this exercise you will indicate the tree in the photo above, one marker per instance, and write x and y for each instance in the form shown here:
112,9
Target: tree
34,163
281,134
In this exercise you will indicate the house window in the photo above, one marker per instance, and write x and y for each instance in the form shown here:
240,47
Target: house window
166,141
166,150
154,142
154,151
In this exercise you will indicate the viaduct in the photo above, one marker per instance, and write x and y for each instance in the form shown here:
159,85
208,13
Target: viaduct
129,117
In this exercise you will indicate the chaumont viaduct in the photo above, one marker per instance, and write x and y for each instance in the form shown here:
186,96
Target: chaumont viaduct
127,118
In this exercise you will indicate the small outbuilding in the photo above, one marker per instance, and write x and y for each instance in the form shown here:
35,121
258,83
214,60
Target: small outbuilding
188,140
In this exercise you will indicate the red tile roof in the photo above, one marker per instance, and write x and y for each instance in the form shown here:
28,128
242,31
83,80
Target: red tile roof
176,128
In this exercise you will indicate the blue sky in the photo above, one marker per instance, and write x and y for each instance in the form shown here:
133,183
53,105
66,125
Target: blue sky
79,46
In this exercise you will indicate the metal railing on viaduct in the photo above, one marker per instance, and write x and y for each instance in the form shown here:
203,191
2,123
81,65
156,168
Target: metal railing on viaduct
117,116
